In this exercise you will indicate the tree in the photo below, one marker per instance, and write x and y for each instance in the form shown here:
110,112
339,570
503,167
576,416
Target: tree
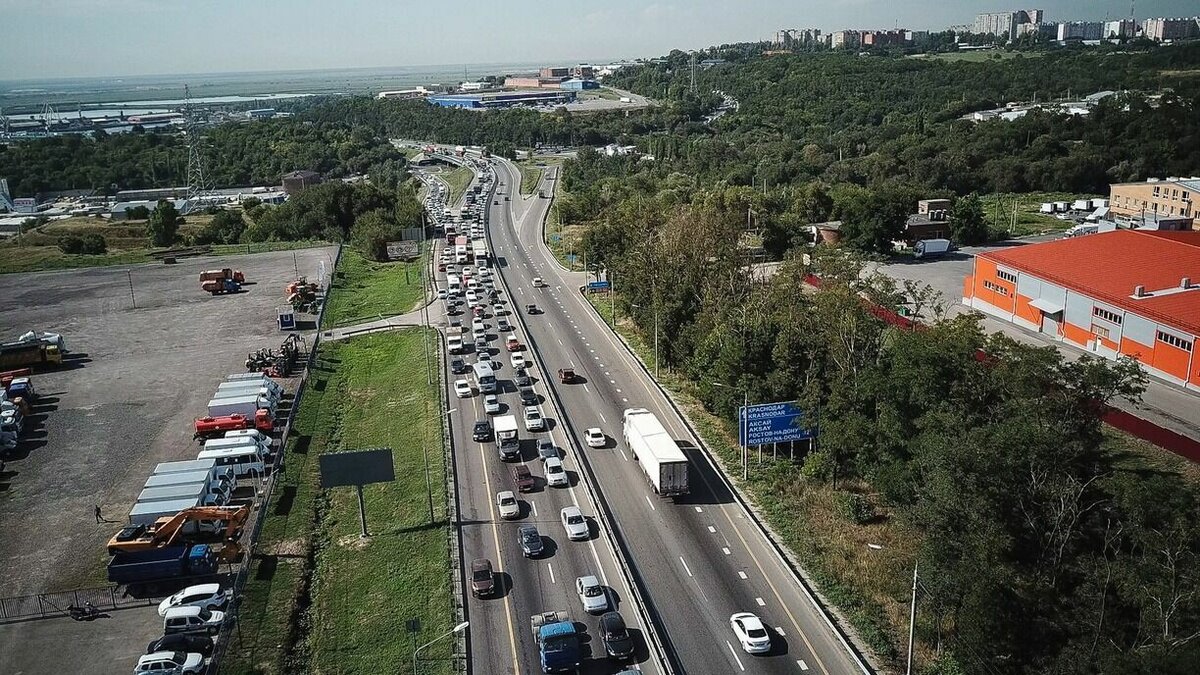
226,227
968,225
371,232
137,213
87,244
163,225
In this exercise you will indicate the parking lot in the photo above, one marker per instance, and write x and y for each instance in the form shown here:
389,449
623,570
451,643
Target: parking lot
146,349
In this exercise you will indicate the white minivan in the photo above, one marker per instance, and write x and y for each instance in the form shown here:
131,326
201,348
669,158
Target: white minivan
245,460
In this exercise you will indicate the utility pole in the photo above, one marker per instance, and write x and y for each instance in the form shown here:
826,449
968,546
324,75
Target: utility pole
912,622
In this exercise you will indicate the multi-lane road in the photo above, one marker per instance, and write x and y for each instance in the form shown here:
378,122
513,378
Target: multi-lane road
695,560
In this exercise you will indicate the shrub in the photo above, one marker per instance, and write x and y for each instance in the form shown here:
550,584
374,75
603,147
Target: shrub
88,244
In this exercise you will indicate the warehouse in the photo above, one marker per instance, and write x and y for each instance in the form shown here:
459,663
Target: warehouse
503,99
1127,292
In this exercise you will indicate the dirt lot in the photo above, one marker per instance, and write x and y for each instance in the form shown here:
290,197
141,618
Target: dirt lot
136,379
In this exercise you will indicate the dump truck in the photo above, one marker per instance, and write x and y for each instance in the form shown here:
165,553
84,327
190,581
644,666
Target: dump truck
222,274
215,427
656,452
508,440
557,640
162,564
29,354
221,286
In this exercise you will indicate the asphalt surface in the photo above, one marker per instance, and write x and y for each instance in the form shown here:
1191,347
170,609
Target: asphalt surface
699,558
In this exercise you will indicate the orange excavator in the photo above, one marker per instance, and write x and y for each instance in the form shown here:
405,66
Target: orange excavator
174,530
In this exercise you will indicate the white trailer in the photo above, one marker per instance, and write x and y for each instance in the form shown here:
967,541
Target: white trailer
1047,207
264,446
656,452
242,405
145,513
262,383
263,392
198,491
221,473
1081,205
508,439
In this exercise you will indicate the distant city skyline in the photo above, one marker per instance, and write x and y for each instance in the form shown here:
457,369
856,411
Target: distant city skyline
98,38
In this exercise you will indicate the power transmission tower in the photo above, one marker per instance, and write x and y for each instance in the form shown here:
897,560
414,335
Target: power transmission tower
197,188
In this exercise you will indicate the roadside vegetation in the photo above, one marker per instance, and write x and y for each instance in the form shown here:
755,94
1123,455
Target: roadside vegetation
1029,220
365,290
319,598
530,175
458,179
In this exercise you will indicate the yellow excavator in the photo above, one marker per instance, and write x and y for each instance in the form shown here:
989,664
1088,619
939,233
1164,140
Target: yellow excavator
173,530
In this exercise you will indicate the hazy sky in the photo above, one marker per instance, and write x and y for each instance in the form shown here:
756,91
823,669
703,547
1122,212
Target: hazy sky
52,38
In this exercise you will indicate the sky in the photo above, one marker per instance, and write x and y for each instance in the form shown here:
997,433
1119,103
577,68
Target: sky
82,38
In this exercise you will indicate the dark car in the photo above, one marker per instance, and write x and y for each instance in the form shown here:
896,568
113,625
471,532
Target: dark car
546,450
181,642
521,378
614,635
528,396
458,366
522,478
531,541
483,582
531,309
482,431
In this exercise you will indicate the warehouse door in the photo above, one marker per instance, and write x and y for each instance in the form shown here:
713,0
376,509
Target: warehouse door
1052,324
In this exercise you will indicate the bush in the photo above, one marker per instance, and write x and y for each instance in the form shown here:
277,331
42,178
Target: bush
88,244
372,231
226,227
855,508
137,213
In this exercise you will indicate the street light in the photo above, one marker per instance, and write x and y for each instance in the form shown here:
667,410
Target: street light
425,455
655,337
742,431
457,629
912,612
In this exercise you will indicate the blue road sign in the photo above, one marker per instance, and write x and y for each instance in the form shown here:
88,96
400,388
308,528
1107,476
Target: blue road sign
597,285
773,423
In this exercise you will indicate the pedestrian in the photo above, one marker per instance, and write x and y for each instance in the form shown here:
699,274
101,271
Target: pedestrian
99,518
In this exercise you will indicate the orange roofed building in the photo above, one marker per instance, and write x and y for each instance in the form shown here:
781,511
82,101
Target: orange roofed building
1126,292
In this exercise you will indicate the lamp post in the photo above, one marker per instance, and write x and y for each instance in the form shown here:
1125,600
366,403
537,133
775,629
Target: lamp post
425,455
655,338
457,629
742,428
912,613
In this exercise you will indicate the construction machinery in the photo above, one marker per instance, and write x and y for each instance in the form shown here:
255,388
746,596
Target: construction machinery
302,295
279,363
28,354
221,274
221,286
174,531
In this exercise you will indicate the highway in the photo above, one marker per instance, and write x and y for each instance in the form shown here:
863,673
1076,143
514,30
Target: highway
700,558
500,637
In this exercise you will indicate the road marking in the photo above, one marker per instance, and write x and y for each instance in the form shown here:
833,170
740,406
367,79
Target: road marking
652,508
618,391
551,568
560,343
802,664
625,400
685,565
712,529
586,389
623,454
612,381
725,550
699,510
742,575
761,602
601,417
533,507
779,629
606,372
735,656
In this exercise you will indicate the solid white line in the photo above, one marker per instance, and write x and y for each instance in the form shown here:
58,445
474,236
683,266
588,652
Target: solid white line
560,343
601,417
533,506
742,574
652,507
685,567
551,568
586,389
735,656
712,529
802,664
761,602
623,454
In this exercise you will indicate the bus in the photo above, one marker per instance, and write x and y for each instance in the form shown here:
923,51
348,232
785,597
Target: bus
461,251
485,377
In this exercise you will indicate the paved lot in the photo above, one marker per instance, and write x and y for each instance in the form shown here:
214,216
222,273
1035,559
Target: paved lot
136,379
109,644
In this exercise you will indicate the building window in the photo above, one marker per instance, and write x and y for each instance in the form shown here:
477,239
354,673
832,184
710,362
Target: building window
1099,331
1185,196
1007,276
1155,190
1111,317
1175,341
995,288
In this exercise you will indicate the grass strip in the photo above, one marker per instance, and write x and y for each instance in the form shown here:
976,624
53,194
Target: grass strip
364,290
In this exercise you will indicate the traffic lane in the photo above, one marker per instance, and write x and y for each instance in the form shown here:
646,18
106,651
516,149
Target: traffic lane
813,629
674,551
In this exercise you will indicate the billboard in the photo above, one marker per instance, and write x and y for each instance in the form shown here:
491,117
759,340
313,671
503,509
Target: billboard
359,467
773,423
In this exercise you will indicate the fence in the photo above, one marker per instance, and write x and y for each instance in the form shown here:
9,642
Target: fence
48,605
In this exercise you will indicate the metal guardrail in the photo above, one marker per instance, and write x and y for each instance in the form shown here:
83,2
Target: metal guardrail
50,605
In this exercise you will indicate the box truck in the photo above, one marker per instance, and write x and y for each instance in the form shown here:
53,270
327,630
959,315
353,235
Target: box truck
928,248
263,382
197,491
146,513
220,473
220,490
261,392
508,440
263,446
244,405
656,452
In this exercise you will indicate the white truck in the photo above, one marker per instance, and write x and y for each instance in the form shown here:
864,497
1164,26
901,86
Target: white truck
262,392
262,383
242,405
215,485
508,440
224,474
656,452
927,248
201,492
263,445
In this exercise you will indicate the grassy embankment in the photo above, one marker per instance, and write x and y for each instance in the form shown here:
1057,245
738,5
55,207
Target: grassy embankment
458,179
998,210
563,239
319,598
364,290
867,587
127,244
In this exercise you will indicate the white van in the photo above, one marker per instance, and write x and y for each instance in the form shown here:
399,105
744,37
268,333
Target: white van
246,460
251,433
237,442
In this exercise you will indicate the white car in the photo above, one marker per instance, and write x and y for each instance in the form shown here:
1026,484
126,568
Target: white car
472,298
595,438
556,476
208,596
534,420
169,663
574,523
518,359
497,310
442,295
491,404
537,282
591,594
477,326
506,503
751,632
462,389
